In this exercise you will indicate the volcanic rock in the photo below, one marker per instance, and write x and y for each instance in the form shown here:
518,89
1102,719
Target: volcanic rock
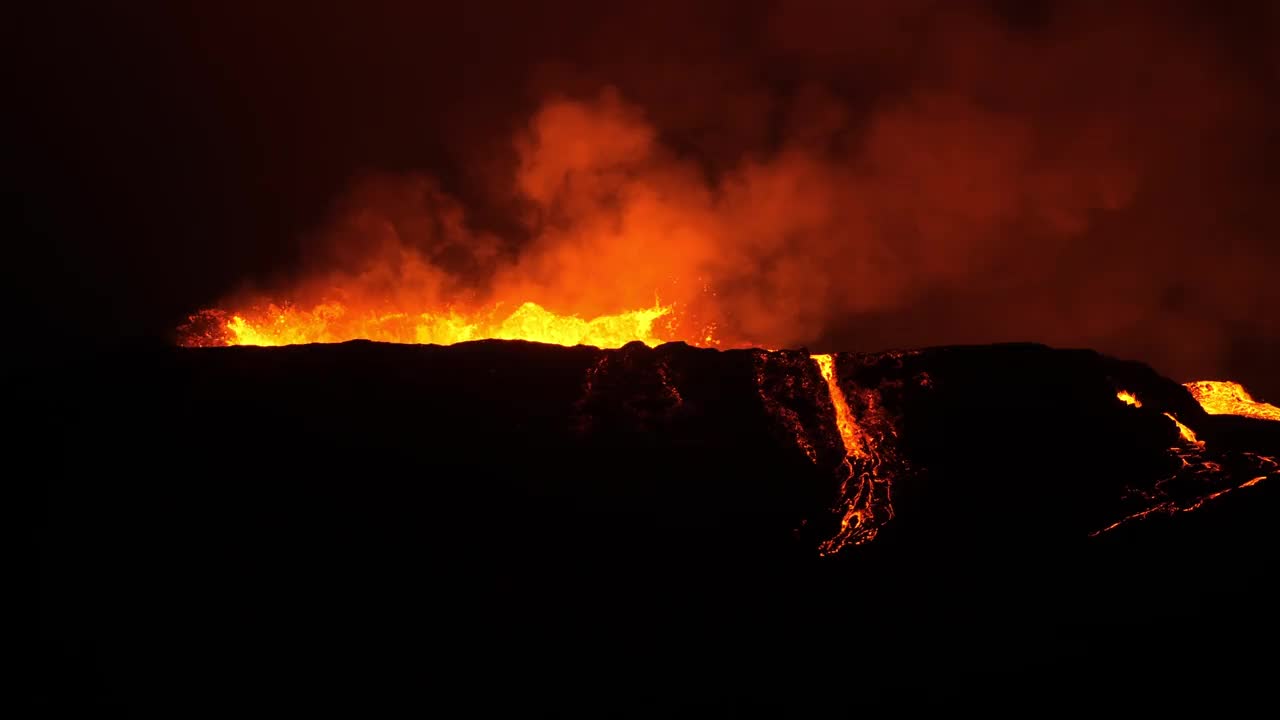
558,525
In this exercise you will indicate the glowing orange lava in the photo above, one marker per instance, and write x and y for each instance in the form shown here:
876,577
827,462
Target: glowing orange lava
1129,398
866,501
1188,435
850,434
1223,397
1197,466
335,322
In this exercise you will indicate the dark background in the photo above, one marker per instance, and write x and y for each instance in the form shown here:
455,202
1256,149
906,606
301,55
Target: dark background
164,153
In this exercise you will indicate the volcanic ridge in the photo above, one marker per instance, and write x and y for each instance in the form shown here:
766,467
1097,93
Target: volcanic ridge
488,500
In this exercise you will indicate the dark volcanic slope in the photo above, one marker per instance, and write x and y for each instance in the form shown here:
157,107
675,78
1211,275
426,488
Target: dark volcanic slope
555,525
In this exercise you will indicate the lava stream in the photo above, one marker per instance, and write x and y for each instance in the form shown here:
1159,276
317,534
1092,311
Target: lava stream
850,433
866,501
1187,434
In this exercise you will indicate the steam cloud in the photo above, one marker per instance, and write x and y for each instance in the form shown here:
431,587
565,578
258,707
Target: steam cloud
854,175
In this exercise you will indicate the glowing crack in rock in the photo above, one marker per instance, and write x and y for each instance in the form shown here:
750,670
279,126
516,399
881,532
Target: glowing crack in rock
781,394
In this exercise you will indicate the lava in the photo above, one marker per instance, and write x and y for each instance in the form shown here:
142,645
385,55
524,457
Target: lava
1200,471
868,459
335,322
861,453
1129,398
866,501
1223,397
1187,434
850,433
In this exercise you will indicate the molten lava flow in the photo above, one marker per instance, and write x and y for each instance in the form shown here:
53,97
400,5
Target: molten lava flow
866,501
1223,397
335,322
861,448
1200,476
850,434
1187,434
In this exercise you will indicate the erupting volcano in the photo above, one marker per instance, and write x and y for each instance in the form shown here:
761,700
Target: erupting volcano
601,358
864,447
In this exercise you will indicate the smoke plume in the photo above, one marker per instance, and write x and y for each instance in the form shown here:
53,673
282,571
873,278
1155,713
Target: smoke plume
862,175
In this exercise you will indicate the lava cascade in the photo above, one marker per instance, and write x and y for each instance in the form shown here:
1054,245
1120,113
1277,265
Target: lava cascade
836,424
866,488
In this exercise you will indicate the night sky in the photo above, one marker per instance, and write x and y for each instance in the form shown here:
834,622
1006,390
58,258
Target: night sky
1088,174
